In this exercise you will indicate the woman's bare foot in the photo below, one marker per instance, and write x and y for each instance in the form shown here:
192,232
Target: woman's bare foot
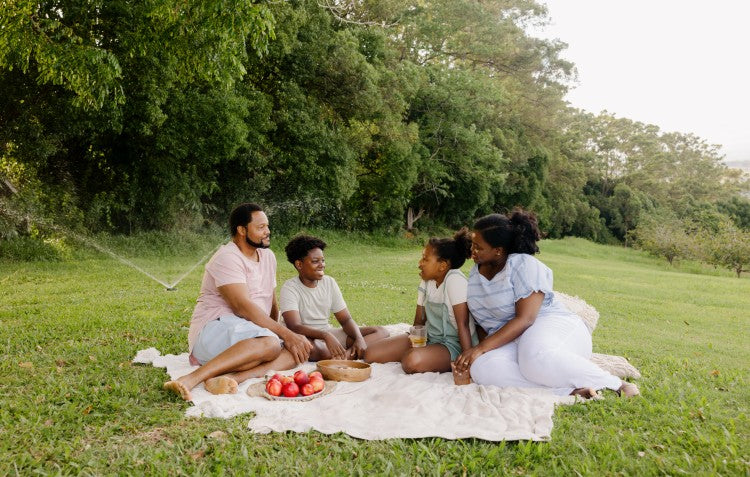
221,385
628,390
585,393
178,388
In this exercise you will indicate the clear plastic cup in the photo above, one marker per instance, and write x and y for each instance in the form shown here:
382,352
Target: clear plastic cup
418,336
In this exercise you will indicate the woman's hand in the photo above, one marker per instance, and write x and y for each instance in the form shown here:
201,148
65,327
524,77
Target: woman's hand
465,359
357,351
526,311
334,347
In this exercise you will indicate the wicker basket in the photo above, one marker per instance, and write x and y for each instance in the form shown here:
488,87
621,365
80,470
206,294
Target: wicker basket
259,390
344,370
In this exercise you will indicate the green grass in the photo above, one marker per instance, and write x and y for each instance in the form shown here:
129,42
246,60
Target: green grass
71,403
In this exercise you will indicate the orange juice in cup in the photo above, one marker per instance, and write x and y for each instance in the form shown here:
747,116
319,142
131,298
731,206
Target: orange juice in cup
418,336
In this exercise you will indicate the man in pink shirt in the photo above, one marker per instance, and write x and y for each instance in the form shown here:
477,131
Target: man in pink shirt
234,333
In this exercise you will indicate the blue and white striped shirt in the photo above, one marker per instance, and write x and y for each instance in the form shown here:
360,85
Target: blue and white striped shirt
493,302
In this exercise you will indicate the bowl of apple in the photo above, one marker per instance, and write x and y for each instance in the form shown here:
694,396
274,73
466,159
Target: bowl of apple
298,387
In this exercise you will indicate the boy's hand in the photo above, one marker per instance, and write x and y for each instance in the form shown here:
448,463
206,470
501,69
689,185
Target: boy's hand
357,351
337,351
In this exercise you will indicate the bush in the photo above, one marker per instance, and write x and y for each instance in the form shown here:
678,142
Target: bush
35,248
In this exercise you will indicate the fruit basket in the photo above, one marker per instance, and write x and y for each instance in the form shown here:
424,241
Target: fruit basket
344,370
259,389
299,387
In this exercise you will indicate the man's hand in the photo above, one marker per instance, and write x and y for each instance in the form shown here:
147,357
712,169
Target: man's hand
298,345
357,351
334,347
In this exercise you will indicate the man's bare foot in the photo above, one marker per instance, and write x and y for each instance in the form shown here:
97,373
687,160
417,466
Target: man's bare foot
178,388
221,385
628,390
585,393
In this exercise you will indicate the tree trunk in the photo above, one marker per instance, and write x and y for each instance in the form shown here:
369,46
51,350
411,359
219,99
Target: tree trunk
411,218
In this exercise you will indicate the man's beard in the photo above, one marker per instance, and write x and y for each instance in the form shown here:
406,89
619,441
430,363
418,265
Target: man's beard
256,244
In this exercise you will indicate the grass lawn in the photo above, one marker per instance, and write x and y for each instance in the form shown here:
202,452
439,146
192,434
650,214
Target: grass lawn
71,402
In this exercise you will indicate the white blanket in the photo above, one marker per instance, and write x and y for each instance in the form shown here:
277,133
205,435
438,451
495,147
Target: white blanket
391,404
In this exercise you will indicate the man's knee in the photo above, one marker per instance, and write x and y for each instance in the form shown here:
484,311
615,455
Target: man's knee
266,347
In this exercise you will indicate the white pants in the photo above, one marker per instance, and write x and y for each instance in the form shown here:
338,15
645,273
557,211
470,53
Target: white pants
554,352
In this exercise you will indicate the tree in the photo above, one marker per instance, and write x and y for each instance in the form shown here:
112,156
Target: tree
131,115
730,248
338,136
460,166
664,235
89,91
738,209
86,47
484,112
632,168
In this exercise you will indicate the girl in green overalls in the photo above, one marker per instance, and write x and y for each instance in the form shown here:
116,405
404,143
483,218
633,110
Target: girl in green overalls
441,307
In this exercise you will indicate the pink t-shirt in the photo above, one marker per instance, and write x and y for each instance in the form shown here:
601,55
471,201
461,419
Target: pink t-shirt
227,266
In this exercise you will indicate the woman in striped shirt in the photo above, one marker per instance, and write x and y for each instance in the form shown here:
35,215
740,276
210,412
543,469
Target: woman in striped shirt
532,340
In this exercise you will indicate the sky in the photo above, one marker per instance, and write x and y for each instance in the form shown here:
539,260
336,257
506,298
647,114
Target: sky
681,65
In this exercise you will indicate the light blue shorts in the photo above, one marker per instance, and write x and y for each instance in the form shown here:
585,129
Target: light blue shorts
222,333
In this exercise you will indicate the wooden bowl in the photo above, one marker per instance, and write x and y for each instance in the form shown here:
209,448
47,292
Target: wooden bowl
344,370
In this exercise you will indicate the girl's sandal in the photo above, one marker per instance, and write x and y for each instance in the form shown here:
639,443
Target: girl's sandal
628,390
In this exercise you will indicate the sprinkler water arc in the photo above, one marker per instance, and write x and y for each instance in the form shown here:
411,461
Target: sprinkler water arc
80,238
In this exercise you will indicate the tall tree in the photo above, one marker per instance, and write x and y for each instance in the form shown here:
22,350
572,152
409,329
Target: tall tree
87,88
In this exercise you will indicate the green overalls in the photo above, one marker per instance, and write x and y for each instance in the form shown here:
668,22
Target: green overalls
440,330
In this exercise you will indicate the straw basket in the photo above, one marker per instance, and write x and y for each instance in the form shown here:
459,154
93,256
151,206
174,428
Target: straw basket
344,370
259,389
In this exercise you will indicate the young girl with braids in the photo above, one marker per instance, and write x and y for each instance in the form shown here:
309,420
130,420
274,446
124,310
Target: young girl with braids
532,340
441,307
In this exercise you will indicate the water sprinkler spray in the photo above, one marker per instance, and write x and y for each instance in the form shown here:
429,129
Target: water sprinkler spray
7,188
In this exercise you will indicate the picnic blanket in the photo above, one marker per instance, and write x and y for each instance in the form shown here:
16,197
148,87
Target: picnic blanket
392,404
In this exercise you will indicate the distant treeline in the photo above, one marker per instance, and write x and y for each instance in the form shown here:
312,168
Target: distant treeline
125,116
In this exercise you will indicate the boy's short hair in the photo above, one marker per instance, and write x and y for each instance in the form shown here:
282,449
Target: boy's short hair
300,246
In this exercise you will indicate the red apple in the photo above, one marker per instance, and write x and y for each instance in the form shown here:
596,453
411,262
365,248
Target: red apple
287,379
307,389
314,374
290,390
300,377
277,376
273,387
318,384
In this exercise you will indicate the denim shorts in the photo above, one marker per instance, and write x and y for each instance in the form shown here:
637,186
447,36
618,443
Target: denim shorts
453,345
224,332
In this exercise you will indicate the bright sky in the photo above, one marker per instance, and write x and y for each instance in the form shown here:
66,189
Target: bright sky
682,65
